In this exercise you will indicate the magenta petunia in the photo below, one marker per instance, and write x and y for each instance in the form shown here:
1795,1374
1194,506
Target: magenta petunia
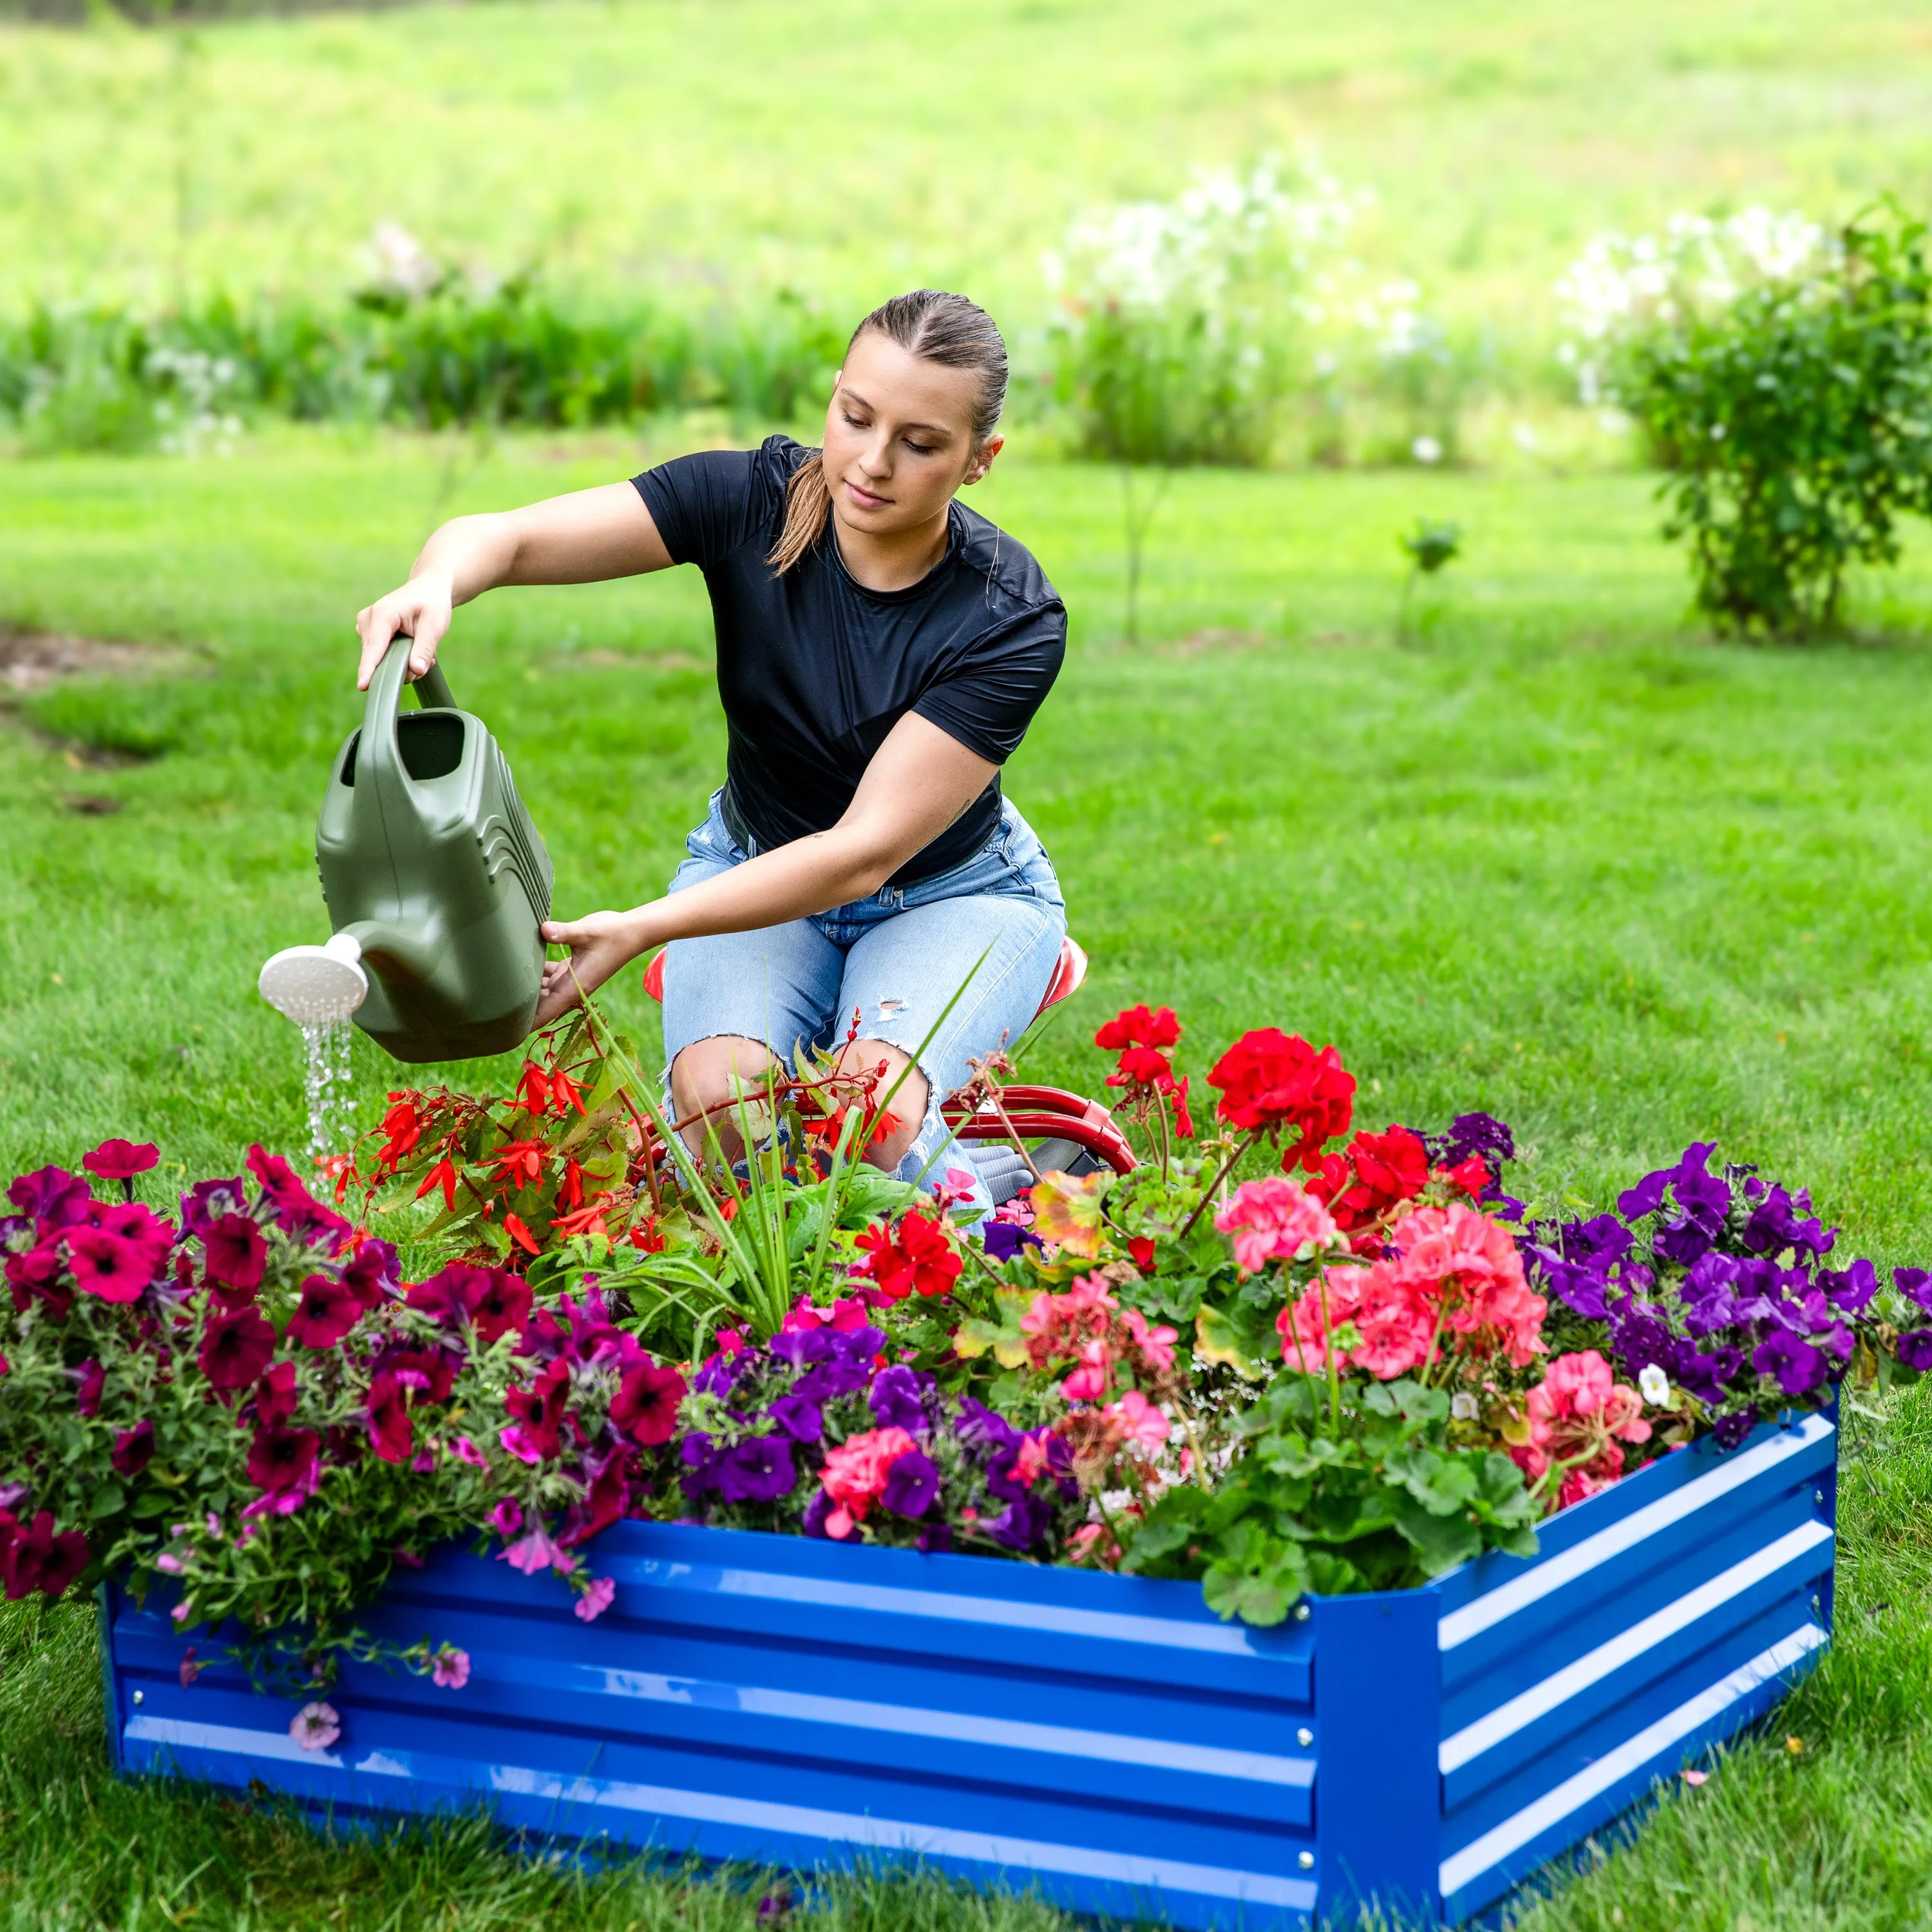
283,1459
37,1558
237,1254
596,1600
390,1435
54,1198
104,1264
326,1313
133,1449
645,1407
275,1395
120,1160
236,1346
452,1296
371,1274
91,1378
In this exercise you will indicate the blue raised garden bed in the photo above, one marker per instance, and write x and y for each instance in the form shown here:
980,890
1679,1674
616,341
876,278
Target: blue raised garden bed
1108,1738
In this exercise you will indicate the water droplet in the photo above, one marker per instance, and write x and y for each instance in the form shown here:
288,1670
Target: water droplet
326,1086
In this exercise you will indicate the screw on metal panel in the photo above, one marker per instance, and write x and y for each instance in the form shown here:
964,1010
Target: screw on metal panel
1301,1613
1304,1737
1307,1861
140,1696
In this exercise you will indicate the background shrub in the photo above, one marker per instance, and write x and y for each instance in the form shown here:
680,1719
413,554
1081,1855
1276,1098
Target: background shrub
1798,419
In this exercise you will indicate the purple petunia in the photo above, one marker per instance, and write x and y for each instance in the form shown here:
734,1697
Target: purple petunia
797,1417
911,1484
1004,1240
898,1397
1799,1367
1915,1284
1915,1349
1730,1430
760,1470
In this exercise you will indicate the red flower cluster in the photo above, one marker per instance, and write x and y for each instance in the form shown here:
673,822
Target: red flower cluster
1373,1174
916,1259
1138,1035
33,1557
1270,1081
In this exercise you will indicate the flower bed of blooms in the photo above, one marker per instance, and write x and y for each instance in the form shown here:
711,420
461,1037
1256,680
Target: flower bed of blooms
1352,1373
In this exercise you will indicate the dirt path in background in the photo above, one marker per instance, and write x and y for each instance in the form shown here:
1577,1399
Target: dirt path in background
30,661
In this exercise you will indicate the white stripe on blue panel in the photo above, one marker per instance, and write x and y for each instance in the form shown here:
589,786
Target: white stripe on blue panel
960,1727
1611,1769
1561,1686
1132,1872
1526,1589
1056,1619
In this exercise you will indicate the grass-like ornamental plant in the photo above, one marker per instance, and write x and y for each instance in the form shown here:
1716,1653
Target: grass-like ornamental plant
1797,421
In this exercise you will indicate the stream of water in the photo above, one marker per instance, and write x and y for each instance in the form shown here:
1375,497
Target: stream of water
325,1083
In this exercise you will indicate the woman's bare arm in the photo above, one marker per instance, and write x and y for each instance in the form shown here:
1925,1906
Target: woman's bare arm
584,537
918,781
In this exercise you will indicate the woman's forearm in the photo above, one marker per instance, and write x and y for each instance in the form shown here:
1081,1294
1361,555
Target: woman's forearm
471,555
809,876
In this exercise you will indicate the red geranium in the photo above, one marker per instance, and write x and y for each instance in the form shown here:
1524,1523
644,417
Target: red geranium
236,1348
918,1260
1373,1173
645,1407
1271,1080
1135,1026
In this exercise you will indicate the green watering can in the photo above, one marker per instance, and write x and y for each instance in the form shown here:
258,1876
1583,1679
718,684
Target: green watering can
436,882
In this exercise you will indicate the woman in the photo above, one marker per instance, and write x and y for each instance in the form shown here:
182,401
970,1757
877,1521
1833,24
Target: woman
881,650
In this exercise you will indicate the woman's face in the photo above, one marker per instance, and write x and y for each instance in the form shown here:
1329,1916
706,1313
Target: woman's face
898,437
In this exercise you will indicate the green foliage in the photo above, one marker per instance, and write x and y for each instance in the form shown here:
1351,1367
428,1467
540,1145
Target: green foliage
1799,421
1387,1502
458,355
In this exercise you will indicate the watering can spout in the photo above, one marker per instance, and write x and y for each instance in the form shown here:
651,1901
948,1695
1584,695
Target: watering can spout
314,985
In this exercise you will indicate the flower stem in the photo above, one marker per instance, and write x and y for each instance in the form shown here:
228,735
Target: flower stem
1227,1168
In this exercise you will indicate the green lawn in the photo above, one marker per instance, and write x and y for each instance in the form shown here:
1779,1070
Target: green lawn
1557,857
682,146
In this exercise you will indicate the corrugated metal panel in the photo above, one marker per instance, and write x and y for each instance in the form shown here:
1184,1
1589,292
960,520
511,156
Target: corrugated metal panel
1659,1618
767,1697
777,1700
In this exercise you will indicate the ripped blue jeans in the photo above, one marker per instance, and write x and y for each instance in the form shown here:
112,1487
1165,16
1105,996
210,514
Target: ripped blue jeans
892,960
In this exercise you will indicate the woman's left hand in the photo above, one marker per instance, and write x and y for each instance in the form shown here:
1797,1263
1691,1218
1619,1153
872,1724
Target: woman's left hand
603,943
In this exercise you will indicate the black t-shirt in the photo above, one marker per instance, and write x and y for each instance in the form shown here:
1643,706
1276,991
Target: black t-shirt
815,670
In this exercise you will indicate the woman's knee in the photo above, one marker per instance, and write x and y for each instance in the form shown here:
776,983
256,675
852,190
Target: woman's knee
893,1073
708,1076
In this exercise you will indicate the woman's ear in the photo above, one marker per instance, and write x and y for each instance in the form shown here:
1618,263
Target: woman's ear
982,459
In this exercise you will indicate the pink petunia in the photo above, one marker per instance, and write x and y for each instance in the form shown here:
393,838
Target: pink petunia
106,1265
536,1551
315,1727
449,1668
507,1518
120,1160
596,1600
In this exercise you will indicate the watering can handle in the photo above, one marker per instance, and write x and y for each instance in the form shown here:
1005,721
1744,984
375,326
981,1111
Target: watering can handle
380,754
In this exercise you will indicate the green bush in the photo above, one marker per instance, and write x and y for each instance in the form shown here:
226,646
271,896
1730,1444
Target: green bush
1183,330
1798,422
451,354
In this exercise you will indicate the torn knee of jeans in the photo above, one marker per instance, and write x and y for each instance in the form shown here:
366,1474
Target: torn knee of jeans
891,1010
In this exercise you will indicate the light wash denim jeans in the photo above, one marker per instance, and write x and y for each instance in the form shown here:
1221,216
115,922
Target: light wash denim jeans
893,961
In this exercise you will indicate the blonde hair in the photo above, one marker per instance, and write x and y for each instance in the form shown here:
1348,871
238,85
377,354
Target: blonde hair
938,327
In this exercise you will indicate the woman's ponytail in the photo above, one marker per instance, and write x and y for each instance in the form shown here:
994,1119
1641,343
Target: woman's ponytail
808,504
938,327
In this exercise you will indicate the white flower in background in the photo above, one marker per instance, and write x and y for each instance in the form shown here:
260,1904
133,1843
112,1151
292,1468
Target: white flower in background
192,415
1462,1406
1621,285
402,265
1654,1386
1426,450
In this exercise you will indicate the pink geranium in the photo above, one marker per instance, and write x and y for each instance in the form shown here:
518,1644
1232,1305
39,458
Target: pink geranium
1576,1417
1274,1219
1139,1420
1452,1281
855,1474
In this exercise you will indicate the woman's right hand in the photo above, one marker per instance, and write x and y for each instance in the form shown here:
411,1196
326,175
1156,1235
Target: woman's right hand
420,611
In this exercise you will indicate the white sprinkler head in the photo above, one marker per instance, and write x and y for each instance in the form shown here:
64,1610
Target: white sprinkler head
313,985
